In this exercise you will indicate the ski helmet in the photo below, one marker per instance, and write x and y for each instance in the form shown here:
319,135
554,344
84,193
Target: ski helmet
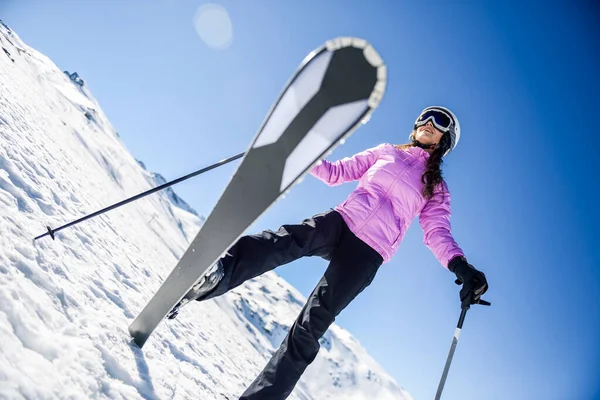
444,120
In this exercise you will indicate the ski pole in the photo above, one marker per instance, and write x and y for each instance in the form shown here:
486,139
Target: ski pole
52,232
461,320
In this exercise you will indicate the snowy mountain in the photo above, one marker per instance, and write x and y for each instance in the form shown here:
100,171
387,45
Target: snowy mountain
65,305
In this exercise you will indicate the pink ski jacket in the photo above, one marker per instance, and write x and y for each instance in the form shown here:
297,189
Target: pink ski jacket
388,197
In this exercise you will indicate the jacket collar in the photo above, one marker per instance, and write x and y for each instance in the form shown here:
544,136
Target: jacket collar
418,152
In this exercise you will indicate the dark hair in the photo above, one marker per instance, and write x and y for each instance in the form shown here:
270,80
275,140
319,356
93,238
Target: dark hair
433,168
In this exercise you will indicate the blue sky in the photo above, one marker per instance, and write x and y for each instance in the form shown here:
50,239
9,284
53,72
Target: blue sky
522,79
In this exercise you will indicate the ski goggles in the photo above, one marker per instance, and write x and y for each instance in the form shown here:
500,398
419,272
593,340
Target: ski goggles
441,120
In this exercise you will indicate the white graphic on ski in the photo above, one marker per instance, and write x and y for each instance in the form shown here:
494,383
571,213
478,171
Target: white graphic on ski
335,89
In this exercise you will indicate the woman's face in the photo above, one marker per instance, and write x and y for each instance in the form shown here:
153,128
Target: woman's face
428,134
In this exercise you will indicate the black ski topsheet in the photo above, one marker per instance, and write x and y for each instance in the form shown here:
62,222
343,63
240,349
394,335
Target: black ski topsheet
335,89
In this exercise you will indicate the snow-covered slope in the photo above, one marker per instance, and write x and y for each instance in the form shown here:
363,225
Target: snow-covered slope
65,305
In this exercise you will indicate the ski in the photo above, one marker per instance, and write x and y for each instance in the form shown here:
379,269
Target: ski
334,90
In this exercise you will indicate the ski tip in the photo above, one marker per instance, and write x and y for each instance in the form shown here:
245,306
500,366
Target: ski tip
373,58
369,51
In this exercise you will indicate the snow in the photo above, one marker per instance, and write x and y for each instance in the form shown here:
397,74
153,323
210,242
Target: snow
65,305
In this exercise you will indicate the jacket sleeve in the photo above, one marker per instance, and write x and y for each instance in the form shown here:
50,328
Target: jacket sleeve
347,169
435,221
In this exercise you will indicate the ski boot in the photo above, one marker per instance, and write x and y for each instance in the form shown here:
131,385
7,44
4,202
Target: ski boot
202,288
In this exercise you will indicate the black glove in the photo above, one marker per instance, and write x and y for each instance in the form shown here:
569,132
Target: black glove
473,281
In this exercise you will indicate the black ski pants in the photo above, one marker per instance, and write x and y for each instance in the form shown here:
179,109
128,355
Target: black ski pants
352,266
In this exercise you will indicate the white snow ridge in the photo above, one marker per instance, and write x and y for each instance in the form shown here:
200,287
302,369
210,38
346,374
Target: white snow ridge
65,305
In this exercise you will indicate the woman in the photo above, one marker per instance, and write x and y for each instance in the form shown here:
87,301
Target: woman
395,184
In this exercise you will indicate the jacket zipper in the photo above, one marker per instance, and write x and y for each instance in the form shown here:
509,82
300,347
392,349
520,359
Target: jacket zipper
368,219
